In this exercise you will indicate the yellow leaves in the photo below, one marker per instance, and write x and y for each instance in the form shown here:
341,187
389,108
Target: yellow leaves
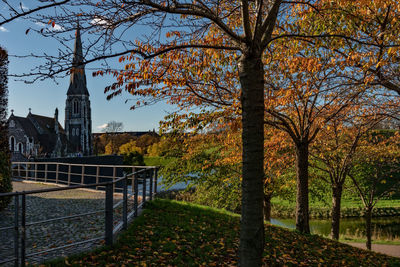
379,64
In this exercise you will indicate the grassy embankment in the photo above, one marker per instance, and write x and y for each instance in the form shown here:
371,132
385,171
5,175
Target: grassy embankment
183,234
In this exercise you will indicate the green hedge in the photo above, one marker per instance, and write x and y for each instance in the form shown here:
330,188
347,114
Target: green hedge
5,179
281,211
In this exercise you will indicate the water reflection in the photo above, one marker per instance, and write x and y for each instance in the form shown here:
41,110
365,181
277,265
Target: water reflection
383,228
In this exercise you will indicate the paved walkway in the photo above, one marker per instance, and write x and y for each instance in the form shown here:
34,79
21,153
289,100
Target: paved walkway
44,236
391,250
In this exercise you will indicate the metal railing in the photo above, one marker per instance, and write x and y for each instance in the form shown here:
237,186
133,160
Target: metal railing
70,174
111,225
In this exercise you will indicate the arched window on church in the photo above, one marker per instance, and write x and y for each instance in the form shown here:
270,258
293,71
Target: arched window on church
12,143
20,148
77,131
73,132
75,106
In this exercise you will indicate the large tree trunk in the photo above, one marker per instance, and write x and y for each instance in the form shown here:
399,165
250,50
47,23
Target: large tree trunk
267,207
302,218
368,228
336,202
252,226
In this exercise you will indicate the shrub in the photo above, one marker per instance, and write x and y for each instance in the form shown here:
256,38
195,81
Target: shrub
134,158
5,179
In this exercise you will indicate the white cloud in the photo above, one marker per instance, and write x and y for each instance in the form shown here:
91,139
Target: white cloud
24,7
102,126
41,24
2,29
98,21
57,27
50,27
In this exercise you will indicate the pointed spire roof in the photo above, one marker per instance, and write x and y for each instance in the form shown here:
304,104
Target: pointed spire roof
77,85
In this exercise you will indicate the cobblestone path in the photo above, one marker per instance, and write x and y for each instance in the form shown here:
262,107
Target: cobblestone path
44,236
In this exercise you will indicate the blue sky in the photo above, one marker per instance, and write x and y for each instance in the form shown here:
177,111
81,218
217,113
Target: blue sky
44,96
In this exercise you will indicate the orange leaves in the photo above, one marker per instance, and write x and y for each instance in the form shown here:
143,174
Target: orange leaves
172,34
97,73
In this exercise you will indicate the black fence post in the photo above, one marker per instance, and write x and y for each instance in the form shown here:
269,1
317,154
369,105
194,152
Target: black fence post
144,188
57,170
125,203
109,214
151,184
45,172
36,171
16,230
135,196
155,179
23,229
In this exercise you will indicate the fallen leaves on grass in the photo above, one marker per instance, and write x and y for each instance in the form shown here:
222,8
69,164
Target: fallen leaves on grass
178,234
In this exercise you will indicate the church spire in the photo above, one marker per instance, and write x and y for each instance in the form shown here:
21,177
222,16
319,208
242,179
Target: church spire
78,54
77,84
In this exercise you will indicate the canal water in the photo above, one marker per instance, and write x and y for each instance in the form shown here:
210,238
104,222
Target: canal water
160,186
383,228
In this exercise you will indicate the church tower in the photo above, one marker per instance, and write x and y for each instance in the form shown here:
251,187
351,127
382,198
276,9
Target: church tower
78,120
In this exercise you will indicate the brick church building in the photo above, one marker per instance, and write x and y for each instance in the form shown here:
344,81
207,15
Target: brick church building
40,136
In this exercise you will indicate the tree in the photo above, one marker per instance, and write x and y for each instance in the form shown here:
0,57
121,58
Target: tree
99,143
257,25
113,127
333,152
374,58
244,27
203,164
113,141
145,141
375,172
129,147
3,101
5,167
307,91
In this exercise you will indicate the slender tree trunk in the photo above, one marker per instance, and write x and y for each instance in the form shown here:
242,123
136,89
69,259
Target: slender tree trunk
368,228
302,218
336,202
252,225
267,207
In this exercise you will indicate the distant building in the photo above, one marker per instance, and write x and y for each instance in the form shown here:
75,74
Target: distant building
42,136
36,135
133,134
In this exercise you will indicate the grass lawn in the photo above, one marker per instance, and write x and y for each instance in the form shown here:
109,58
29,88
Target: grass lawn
157,161
170,233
